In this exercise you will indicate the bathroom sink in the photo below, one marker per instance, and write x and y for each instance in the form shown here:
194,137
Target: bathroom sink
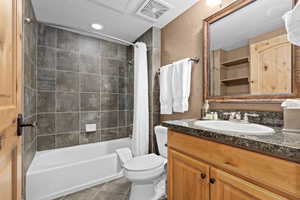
230,127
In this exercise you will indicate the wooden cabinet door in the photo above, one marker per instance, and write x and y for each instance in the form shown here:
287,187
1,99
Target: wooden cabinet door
10,70
228,187
188,179
271,65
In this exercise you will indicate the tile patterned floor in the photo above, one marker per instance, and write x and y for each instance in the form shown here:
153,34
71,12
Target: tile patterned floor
114,190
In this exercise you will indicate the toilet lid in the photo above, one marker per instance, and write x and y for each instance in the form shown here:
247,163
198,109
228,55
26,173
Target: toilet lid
145,162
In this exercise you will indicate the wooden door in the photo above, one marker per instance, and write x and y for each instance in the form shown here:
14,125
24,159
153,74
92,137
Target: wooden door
271,66
188,179
10,71
228,187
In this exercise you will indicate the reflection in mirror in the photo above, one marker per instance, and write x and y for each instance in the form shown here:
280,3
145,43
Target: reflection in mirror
249,51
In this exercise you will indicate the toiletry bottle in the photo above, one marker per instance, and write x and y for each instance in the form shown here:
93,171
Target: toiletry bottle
209,116
215,116
205,109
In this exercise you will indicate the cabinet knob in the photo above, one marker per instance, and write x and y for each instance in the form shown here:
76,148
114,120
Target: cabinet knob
212,180
203,176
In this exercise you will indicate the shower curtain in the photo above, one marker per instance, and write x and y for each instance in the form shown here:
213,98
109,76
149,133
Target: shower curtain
140,139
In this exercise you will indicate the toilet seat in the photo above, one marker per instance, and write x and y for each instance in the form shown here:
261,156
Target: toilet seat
145,163
145,168
146,175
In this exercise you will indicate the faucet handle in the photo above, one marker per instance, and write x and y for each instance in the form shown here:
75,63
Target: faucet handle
231,115
251,115
238,116
247,115
227,113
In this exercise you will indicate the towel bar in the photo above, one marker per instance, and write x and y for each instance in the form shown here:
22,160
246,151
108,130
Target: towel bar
195,60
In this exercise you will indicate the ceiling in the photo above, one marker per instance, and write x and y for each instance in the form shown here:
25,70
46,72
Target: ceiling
260,17
118,17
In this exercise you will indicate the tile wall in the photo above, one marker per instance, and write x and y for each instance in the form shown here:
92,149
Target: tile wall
29,89
81,80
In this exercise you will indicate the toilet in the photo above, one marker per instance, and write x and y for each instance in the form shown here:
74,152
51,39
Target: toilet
144,172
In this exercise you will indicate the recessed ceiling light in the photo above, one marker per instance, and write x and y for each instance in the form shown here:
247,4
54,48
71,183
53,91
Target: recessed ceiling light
97,26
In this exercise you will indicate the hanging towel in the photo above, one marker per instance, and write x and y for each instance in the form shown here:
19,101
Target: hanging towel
181,85
165,82
292,24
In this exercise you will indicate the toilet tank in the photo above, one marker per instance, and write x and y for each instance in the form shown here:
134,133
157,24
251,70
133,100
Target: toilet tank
161,134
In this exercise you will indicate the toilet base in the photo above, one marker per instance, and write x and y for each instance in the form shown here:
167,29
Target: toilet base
142,191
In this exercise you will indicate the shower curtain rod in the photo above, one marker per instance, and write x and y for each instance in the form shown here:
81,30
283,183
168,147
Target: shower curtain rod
29,21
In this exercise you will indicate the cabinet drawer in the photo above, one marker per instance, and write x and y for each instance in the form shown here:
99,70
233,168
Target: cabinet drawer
280,176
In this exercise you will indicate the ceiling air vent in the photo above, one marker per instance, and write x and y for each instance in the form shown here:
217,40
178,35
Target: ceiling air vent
153,9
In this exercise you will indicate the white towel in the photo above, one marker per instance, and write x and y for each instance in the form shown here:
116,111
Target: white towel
124,154
292,23
181,85
165,82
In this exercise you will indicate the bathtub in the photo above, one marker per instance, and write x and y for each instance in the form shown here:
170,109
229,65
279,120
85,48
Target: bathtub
55,173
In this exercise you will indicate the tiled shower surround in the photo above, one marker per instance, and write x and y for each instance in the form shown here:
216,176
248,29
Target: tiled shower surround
81,80
29,89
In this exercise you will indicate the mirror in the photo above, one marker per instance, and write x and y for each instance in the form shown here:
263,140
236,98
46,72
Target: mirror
247,51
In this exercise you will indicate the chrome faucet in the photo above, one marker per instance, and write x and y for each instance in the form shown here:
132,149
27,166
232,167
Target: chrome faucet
232,115
236,116
246,115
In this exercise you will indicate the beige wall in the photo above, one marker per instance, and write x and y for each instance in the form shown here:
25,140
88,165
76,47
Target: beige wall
183,38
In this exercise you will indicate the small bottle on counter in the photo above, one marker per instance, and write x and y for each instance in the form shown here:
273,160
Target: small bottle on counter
205,108
215,116
208,116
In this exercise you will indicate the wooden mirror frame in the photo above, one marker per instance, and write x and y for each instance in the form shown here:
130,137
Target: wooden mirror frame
245,98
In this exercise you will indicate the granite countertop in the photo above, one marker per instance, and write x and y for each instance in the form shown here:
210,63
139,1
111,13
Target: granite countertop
282,145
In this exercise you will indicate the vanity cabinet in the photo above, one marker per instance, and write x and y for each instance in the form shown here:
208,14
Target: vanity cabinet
225,186
188,178
200,169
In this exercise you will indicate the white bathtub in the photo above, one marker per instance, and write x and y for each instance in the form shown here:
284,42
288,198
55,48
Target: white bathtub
55,173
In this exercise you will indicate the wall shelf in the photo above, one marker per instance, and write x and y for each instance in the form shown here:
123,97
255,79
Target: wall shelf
236,61
236,81
231,71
